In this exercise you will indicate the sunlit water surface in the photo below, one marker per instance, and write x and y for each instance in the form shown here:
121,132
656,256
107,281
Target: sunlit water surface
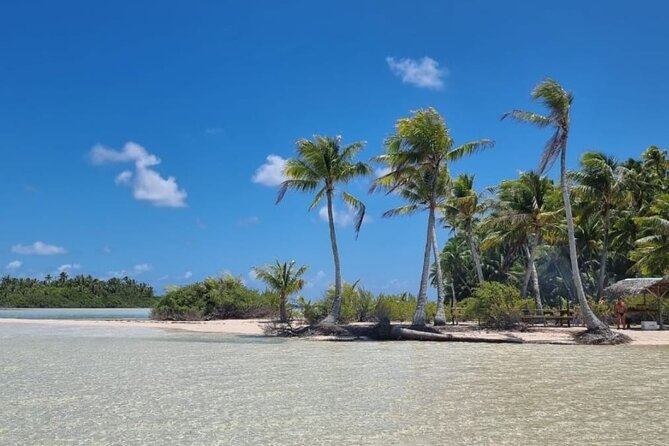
142,386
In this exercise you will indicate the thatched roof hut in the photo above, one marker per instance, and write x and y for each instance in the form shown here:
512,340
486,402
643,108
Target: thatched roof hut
657,286
635,286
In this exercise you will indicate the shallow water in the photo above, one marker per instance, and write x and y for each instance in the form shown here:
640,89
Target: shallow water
74,313
138,386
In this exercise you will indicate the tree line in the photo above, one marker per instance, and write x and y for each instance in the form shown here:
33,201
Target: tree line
74,292
605,221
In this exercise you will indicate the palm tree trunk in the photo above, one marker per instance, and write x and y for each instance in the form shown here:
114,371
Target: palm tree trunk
333,317
605,253
283,314
535,284
440,316
591,321
531,272
421,300
475,255
528,272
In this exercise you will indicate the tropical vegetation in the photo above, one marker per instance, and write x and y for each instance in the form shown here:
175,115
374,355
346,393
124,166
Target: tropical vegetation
74,292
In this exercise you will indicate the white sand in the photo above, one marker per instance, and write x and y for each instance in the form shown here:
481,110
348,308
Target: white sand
254,327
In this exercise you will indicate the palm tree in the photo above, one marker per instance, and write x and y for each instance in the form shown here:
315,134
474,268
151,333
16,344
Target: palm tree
558,102
321,165
522,215
652,251
422,143
600,187
461,212
417,191
284,279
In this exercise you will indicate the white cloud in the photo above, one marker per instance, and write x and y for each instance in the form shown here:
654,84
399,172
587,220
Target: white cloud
382,171
141,268
249,221
188,275
14,265
117,274
253,275
68,267
423,73
271,173
123,177
38,248
147,184
106,249
341,218
213,131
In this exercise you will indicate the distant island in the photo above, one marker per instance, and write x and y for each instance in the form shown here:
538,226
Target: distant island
75,292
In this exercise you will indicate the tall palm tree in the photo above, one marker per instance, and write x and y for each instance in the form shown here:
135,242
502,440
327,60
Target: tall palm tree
423,143
599,186
321,164
418,191
284,279
461,212
558,102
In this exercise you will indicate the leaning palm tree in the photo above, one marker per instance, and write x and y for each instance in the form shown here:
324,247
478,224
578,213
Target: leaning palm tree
599,187
284,279
321,164
461,212
558,102
417,191
422,143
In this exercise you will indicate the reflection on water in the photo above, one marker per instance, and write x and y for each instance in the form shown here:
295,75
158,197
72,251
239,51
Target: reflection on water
144,386
74,313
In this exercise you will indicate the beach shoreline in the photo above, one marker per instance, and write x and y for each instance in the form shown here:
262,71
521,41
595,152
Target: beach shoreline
255,327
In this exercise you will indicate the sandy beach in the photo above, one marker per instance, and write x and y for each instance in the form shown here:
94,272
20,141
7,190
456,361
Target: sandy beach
254,327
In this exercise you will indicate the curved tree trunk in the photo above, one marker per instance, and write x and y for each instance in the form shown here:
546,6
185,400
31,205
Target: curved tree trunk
440,316
605,253
421,300
475,255
333,317
592,323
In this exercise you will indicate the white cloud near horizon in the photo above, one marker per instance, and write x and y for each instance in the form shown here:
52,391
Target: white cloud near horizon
14,265
146,183
188,275
68,267
39,249
248,221
423,73
141,268
271,173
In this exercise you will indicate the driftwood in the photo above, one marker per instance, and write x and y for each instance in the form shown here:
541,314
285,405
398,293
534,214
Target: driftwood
401,333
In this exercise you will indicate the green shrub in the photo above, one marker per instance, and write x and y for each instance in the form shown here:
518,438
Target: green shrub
215,298
496,305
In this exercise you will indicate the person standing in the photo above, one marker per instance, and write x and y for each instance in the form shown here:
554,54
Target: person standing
620,309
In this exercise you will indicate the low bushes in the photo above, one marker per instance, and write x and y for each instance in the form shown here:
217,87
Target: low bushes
215,298
496,305
360,305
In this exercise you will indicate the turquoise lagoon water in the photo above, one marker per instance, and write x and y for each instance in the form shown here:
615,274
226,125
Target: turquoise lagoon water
69,385
74,313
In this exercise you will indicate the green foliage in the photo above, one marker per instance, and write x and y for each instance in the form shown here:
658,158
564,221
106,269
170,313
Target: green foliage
216,298
76,292
360,305
496,305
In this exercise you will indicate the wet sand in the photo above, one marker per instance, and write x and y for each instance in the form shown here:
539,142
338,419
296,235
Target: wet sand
254,327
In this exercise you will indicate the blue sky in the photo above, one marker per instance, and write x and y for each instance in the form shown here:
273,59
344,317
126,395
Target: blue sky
131,134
